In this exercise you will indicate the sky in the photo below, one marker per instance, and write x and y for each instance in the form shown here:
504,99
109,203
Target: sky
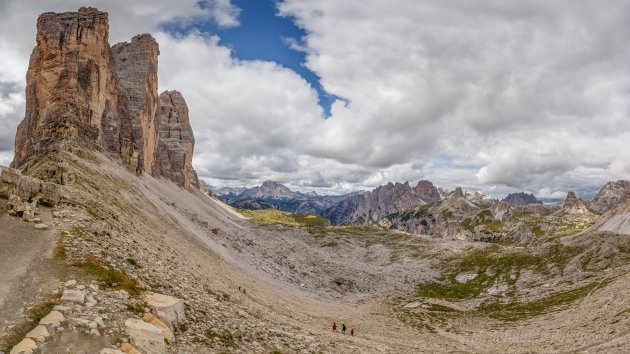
334,96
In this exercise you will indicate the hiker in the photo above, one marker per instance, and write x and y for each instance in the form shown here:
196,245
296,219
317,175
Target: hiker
352,330
343,328
334,326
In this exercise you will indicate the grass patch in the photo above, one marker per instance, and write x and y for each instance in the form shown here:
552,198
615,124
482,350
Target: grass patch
137,308
113,278
60,252
515,310
273,216
18,332
224,337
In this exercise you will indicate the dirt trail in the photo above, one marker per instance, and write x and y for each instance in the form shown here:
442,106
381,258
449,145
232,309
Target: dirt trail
28,272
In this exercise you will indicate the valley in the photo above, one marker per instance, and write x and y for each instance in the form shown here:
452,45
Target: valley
116,245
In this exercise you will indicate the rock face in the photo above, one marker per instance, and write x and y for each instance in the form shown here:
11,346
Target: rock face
573,205
270,189
25,188
168,309
80,91
175,140
458,193
521,198
71,91
136,71
376,204
427,191
609,196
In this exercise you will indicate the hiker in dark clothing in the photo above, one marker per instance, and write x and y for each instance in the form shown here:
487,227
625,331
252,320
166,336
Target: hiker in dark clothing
343,328
334,326
352,331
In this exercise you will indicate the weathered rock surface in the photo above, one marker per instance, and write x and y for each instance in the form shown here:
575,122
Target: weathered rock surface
136,71
12,182
54,318
427,191
145,336
70,89
166,331
76,296
521,198
27,345
81,91
609,196
376,204
38,332
168,309
573,205
175,140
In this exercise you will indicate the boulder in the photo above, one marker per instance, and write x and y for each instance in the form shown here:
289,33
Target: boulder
129,349
38,332
145,336
40,226
167,308
27,345
166,331
54,318
76,296
110,351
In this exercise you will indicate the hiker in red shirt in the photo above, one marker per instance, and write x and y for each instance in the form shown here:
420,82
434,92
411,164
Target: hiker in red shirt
352,331
334,326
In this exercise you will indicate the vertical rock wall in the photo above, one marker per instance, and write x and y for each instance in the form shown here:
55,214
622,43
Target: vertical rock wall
82,91
70,86
136,72
175,140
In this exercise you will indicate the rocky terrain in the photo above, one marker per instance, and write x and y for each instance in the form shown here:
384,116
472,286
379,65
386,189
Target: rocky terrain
521,198
112,245
384,200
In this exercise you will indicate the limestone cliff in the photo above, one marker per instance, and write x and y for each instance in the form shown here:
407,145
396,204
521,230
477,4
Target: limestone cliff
82,92
71,92
136,71
175,140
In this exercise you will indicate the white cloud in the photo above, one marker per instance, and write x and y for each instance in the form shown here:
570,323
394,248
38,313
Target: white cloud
491,95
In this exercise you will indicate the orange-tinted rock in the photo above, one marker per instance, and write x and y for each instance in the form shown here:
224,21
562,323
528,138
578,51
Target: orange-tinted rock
82,92
70,86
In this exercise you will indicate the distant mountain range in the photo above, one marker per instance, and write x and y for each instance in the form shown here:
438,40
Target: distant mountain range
426,209
274,195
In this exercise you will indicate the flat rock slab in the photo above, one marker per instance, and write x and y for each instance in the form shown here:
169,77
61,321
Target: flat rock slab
76,296
40,226
27,345
465,277
54,317
166,332
168,309
110,351
38,332
146,337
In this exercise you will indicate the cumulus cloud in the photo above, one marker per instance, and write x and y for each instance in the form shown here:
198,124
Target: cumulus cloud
490,95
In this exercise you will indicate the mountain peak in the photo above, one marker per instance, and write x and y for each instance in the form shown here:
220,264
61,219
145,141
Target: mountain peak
521,198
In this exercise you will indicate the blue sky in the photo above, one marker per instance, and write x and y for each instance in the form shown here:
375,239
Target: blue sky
262,35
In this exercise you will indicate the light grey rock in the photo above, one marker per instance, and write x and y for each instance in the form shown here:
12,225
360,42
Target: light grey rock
145,336
76,296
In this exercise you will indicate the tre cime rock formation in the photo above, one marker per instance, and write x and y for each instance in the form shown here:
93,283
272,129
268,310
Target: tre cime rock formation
82,91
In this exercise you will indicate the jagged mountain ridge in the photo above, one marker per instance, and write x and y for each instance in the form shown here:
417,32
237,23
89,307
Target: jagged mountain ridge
274,195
